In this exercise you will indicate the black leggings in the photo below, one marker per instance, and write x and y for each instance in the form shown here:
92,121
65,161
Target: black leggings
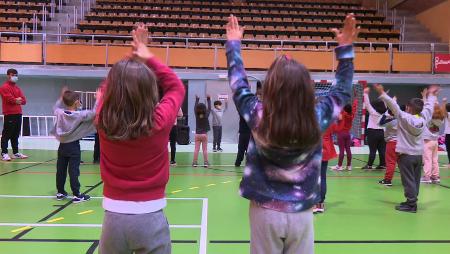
376,141
173,142
447,145
12,125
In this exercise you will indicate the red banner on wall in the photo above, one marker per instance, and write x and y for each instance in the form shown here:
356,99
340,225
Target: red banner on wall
442,63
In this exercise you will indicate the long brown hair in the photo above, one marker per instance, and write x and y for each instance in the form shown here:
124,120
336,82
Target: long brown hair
438,113
129,100
289,117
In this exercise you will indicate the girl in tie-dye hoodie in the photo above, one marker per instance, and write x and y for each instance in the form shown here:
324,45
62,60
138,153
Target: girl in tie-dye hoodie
281,177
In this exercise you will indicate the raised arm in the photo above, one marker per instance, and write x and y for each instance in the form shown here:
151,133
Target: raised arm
173,89
329,107
367,103
244,99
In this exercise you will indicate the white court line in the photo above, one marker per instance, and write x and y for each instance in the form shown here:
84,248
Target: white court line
204,227
77,225
22,196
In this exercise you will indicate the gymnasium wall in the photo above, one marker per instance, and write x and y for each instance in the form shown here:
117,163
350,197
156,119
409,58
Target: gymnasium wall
437,20
42,93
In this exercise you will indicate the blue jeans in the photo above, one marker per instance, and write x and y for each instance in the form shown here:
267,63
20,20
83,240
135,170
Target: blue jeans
69,158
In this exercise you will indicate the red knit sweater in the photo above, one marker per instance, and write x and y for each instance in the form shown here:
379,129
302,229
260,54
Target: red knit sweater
9,92
138,170
346,123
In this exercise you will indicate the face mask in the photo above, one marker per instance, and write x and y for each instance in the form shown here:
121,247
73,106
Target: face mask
14,79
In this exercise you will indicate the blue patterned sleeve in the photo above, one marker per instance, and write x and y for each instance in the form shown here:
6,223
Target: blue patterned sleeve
329,107
246,102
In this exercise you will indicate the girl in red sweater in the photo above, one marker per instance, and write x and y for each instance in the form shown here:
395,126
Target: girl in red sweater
134,126
343,135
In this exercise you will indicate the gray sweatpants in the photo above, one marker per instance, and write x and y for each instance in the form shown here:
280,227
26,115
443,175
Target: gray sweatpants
410,172
274,232
135,233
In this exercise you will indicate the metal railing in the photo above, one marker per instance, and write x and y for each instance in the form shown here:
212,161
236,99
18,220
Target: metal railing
87,99
276,45
34,126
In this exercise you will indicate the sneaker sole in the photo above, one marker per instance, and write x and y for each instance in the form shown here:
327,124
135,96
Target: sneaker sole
80,201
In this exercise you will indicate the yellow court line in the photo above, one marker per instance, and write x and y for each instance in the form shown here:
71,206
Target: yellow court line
85,212
227,182
211,184
54,220
173,192
193,188
21,229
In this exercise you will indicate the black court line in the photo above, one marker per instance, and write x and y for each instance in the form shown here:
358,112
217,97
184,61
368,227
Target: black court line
229,171
75,240
92,248
30,166
18,236
345,242
445,186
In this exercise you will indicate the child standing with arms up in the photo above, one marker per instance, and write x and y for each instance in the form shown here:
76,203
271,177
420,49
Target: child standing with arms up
430,152
344,137
281,177
411,126
201,130
134,125
389,122
71,125
217,113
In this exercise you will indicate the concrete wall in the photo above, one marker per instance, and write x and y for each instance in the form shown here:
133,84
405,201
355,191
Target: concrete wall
437,20
42,93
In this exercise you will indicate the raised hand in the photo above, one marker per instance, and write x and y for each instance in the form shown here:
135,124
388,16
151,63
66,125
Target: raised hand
140,39
433,90
98,94
234,31
424,93
348,33
379,89
366,90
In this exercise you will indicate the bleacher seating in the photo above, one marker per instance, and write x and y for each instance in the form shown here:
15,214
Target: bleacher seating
299,23
16,13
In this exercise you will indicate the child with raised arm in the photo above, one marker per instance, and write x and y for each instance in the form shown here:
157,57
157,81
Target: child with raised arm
134,125
217,113
411,126
201,130
71,125
281,177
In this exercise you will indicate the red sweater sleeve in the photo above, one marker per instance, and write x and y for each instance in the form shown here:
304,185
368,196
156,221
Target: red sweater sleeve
24,99
167,109
8,96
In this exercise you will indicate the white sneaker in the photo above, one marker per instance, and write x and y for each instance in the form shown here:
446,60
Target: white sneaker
5,157
20,156
337,168
349,168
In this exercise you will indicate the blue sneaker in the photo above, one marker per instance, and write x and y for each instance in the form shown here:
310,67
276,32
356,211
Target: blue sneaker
81,198
61,196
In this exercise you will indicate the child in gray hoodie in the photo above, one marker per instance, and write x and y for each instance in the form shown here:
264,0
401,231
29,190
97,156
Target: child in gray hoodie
217,113
411,126
71,125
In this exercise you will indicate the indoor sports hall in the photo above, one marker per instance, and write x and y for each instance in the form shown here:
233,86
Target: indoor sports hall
69,183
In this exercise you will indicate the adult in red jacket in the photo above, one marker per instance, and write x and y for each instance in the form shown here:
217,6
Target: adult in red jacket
12,101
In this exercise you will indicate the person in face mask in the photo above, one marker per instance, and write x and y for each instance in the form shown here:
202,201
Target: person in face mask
12,101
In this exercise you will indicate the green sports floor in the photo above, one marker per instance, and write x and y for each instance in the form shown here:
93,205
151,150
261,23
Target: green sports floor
206,214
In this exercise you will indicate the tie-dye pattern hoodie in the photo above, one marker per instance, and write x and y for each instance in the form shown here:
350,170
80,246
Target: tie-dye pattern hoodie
285,179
